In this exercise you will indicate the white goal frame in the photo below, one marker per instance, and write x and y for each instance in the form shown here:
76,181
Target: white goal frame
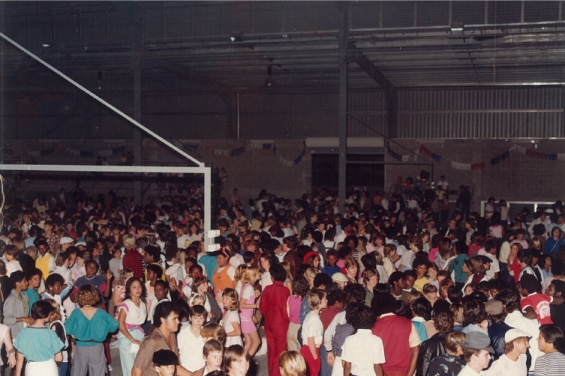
200,168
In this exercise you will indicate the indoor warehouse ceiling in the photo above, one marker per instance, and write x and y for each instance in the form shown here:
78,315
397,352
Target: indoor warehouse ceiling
256,46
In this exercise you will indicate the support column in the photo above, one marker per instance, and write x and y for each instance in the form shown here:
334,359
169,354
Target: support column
343,97
137,47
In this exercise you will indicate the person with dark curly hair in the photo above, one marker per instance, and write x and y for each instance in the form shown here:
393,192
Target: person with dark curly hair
363,352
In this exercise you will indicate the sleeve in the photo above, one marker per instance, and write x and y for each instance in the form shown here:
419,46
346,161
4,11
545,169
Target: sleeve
111,323
144,356
10,311
55,343
70,324
51,264
330,331
414,339
59,329
346,350
379,354
247,292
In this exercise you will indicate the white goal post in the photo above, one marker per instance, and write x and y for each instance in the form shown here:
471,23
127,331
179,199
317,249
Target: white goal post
200,168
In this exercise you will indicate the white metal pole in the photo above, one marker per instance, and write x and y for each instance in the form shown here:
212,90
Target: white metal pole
97,98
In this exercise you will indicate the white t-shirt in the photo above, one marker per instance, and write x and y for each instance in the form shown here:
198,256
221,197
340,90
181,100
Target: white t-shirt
190,349
363,350
230,318
312,327
505,366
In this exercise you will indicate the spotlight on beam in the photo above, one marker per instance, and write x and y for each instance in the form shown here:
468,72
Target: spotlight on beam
236,37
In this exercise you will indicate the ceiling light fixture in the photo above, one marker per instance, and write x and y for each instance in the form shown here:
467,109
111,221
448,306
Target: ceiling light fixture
236,37
457,28
269,82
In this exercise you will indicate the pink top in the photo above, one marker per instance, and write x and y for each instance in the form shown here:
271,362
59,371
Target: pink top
293,306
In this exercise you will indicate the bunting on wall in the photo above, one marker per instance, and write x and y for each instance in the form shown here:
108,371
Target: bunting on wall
479,165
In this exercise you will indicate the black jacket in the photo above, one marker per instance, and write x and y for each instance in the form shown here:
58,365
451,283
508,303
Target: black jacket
429,349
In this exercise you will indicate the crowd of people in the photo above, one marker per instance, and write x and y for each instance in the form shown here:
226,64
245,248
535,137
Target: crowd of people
396,284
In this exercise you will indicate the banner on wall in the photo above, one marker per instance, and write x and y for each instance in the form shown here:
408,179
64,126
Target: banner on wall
533,153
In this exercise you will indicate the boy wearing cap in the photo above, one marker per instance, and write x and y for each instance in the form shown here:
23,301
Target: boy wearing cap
513,362
165,362
476,352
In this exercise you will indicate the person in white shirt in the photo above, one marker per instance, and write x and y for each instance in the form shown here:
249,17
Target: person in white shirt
513,362
477,353
363,352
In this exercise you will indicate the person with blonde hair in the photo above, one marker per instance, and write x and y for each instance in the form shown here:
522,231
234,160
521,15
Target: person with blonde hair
231,321
247,305
291,363
313,330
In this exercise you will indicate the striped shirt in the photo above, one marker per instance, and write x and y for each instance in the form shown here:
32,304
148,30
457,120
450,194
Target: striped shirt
551,364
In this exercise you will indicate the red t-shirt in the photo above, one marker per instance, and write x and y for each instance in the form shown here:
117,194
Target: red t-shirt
540,304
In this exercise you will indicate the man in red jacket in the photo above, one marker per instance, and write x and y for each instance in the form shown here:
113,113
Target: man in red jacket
273,308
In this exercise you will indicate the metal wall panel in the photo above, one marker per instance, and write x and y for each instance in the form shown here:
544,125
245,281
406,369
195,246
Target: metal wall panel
512,112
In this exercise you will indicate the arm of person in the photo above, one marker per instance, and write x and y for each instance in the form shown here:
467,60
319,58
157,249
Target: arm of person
122,326
312,347
10,350
59,357
136,371
181,371
413,358
529,312
243,304
116,294
236,332
378,369
346,368
28,320
19,364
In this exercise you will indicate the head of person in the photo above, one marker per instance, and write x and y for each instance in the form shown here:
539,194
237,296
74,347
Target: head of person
197,315
213,330
166,317
516,341
477,350
161,289
453,341
91,267
236,362
165,362
363,319
18,279
278,274
154,272
213,354
54,283
292,363
88,295
41,309
223,257
230,299
317,299
551,339
135,288
34,278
